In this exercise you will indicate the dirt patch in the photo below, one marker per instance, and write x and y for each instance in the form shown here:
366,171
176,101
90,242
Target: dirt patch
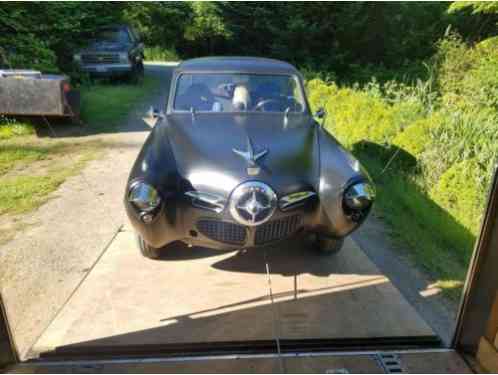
10,225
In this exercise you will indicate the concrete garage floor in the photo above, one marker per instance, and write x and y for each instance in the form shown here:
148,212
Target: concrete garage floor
201,295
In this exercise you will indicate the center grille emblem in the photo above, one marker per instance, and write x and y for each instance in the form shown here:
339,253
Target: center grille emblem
253,203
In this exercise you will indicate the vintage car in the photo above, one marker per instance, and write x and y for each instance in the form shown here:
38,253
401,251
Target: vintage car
238,161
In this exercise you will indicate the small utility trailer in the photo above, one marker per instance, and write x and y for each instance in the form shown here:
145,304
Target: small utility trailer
31,93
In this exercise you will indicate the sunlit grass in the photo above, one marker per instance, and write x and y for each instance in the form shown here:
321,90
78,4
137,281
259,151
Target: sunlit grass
436,241
27,183
104,105
10,129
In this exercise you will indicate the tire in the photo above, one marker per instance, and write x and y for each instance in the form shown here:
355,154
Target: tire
328,245
148,251
136,76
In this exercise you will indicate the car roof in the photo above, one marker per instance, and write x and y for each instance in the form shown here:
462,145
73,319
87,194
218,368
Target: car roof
237,64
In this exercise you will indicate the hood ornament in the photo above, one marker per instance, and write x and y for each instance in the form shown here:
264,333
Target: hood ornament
251,158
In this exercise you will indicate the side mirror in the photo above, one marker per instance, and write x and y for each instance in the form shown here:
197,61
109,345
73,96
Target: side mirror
321,114
155,113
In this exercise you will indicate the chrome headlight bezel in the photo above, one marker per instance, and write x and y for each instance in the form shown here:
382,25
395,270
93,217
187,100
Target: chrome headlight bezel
358,197
144,197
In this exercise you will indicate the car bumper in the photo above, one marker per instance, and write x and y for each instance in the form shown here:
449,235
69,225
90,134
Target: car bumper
107,70
183,222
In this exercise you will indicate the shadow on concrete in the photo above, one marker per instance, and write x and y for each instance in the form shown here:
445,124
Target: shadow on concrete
295,256
318,314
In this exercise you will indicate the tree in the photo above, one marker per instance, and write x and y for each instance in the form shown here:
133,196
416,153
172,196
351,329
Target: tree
207,27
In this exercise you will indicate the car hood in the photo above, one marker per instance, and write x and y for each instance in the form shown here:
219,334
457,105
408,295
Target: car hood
203,146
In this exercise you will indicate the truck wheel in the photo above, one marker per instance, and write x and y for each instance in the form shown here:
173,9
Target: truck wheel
328,245
137,74
148,251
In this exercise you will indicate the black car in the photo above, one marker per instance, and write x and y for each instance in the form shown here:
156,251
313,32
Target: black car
113,51
238,161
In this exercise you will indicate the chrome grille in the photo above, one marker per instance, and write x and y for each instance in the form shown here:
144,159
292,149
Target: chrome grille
107,58
277,229
223,231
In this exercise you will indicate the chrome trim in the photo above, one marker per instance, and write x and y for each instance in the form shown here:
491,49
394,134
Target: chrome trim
108,66
250,156
359,196
141,192
244,199
215,200
290,200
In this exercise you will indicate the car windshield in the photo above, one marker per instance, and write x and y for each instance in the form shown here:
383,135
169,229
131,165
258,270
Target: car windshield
238,93
112,36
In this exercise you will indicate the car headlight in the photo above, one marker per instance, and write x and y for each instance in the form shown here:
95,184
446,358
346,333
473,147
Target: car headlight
144,197
123,57
359,197
77,57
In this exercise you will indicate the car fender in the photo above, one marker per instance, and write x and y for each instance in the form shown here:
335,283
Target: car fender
156,166
338,168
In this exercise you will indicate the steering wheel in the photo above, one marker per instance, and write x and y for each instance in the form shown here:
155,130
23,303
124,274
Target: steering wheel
293,102
261,105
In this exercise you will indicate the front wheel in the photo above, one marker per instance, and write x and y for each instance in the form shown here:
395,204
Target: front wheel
147,250
328,245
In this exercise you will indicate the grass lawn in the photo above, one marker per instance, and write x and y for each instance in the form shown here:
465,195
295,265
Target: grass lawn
435,239
104,105
31,167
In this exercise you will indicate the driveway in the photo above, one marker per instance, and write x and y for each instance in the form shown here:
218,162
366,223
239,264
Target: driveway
197,295
63,239
84,283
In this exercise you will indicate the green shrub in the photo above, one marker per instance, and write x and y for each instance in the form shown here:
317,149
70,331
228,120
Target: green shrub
160,54
467,76
460,192
417,137
446,126
319,93
355,117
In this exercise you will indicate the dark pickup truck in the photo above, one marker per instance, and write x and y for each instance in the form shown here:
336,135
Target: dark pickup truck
113,51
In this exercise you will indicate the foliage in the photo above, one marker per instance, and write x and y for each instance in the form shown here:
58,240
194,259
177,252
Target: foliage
477,7
50,32
160,54
443,135
10,128
323,37
159,23
207,27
